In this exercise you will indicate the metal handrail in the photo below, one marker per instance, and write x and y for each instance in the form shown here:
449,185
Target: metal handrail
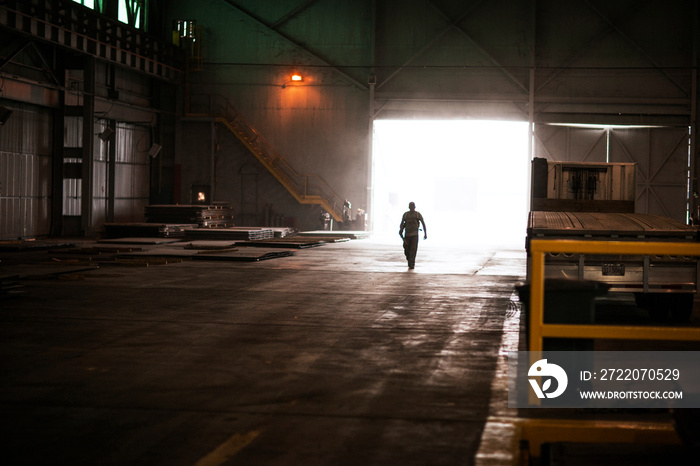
539,330
305,187
100,36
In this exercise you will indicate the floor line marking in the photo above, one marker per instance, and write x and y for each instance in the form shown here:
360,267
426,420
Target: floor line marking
228,449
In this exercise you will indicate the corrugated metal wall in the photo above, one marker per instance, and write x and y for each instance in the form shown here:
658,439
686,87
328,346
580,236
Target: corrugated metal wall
132,172
100,175
131,188
25,172
72,139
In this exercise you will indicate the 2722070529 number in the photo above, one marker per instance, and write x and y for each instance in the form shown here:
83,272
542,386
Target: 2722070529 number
639,374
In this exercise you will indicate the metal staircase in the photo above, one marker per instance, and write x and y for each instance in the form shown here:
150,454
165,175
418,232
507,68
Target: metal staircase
306,189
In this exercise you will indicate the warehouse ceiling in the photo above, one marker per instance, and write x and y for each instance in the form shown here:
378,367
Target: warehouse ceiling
578,60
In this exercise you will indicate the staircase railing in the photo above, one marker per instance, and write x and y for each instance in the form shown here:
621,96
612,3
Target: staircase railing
306,189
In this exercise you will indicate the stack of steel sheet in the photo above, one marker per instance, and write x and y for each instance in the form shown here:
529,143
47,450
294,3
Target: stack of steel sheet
204,216
146,230
245,255
234,233
208,245
224,254
139,240
349,234
297,242
29,245
281,232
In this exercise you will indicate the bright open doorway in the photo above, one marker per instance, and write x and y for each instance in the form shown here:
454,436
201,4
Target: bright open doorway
469,179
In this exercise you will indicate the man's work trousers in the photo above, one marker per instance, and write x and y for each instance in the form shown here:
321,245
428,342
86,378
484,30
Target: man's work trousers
410,247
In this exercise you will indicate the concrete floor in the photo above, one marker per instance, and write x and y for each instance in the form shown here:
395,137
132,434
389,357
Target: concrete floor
337,355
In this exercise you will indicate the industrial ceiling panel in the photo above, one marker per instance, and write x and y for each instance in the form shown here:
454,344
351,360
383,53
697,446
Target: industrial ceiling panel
613,60
471,53
661,155
570,144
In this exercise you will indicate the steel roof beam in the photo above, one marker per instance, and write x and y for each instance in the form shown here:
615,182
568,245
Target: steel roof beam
635,45
481,49
291,14
454,24
430,43
289,39
612,27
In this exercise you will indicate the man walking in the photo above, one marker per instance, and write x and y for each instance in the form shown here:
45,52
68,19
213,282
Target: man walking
410,223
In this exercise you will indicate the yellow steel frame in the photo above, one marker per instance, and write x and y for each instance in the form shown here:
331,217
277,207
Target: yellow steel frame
539,431
539,330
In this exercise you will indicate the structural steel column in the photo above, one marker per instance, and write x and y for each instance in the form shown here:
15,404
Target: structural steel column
372,82
87,150
212,163
57,154
694,119
111,171
531,95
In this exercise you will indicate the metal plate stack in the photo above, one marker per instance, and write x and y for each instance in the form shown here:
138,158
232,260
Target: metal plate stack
235,233
245,255
204,216
297,242
281,232
202,250
145,230
331,235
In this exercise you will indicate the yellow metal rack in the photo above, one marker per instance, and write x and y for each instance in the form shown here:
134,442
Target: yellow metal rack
539,330
532,433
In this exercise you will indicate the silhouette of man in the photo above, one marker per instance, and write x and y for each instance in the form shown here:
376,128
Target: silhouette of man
410,222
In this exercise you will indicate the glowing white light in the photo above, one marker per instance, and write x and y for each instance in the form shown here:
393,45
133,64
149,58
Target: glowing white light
469,179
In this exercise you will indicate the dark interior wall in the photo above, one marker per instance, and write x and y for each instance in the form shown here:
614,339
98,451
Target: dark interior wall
545,61
214,158
320,126
87,72
254,193
195,158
